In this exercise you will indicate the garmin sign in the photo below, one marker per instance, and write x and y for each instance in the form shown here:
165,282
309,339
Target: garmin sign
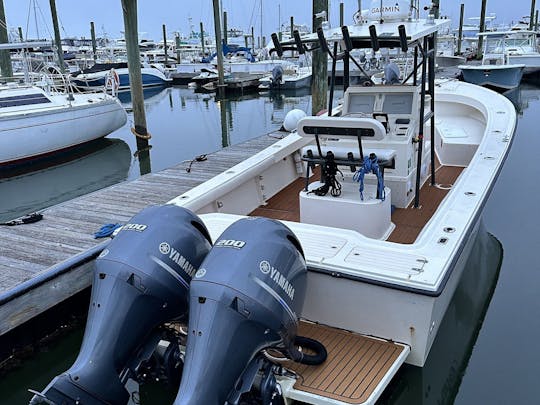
388,10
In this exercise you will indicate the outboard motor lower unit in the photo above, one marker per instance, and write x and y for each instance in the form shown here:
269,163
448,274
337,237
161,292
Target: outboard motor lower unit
141,280
246,297
277,76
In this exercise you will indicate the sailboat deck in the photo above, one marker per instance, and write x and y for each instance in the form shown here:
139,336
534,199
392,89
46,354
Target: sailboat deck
409,221
355,366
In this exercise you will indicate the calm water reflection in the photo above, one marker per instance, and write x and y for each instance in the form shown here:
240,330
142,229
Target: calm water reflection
486,349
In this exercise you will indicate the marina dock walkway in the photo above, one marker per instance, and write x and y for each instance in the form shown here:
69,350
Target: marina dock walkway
30,252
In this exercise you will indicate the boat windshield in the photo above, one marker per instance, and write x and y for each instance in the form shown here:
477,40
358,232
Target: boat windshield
398,103
361,103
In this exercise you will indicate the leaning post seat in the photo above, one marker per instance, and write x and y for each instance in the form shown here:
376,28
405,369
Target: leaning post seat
343,129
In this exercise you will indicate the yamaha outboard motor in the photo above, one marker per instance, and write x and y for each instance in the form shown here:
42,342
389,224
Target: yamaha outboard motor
391,73
141,281
246,297
277,76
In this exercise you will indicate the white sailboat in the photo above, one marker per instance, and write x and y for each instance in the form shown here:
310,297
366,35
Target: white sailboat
37,121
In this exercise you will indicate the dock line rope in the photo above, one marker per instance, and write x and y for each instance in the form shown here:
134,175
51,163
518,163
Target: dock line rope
329,172
27,219
370,165
147,136
200,158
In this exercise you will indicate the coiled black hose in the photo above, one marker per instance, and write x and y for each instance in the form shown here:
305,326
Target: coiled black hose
309,359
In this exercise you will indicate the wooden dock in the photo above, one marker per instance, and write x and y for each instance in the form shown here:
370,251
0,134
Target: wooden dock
66,233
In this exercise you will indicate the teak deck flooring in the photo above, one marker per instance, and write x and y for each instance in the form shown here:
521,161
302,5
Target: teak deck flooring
354,367
409,221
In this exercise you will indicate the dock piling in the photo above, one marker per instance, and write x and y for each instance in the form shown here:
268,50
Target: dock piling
225,33
57,38
5,58
129,8
531,18
202,37
219,49
460,30
482,29
319,81
93,36
165,50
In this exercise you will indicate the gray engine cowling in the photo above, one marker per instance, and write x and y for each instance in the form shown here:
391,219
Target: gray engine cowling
277,76
141,280
246,296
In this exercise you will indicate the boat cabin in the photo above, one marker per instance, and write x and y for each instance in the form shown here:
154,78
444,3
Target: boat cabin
502,47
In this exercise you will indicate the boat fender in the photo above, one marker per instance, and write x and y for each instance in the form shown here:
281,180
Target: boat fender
290,123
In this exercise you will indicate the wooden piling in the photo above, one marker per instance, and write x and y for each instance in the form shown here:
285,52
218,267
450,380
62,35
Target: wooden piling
21,37
219,49
460,30
225,33
202,37
93,36
435,8
129,8
531,18
5,58
177,45
225,141
482,29
319,81
341,14
165,44
57,38
292,30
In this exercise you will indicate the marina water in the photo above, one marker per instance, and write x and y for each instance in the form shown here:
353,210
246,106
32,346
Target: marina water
485,351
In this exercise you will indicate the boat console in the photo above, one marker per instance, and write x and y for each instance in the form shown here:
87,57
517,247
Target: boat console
377,125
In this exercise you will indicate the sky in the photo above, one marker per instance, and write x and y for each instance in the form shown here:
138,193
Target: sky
75,15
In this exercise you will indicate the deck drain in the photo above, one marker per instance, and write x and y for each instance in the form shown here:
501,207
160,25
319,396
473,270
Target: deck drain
442,241
449,229
469,193
489,158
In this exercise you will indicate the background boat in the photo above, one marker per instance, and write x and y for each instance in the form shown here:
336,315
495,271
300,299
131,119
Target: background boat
39,121
96,76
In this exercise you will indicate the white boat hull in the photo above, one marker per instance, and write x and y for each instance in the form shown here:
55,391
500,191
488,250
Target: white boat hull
38,133
393,291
